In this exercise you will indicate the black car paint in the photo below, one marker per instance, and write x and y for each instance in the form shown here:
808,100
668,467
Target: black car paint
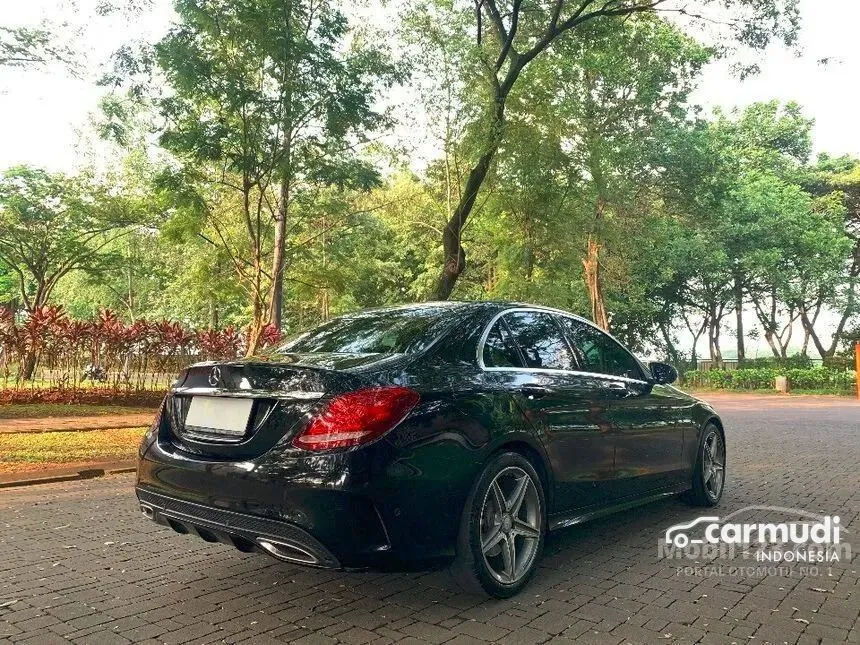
397,502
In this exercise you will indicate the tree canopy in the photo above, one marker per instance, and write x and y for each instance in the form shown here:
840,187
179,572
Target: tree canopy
266,177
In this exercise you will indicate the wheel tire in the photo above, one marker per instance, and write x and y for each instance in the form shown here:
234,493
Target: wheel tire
703,491
474,571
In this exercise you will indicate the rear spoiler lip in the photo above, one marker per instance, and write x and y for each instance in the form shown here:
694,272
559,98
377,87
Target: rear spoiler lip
381,364
324,381
251,362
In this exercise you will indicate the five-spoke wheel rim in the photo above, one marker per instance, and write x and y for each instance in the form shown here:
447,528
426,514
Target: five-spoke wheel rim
511,521
714,464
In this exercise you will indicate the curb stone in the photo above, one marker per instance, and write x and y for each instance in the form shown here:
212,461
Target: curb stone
65,475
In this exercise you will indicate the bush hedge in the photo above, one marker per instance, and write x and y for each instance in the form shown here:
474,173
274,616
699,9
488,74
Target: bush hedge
88,396
816,379
798,361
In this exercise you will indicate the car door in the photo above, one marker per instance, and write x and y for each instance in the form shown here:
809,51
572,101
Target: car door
646,420
527,352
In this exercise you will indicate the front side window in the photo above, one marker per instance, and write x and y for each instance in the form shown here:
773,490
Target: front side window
540,340
598,353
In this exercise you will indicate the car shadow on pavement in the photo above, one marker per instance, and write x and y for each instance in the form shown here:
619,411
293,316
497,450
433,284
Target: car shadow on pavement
589,557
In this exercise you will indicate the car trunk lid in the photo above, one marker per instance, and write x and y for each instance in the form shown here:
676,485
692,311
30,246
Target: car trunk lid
239,410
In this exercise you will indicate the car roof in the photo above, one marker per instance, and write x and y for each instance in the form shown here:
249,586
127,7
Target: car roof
494,306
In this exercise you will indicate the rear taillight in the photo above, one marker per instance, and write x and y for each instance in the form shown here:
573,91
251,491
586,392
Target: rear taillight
357,418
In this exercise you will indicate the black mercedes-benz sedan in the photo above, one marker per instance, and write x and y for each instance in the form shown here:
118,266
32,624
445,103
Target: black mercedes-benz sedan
413,436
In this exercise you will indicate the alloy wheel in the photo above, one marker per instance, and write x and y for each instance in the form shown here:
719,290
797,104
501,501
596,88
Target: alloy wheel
714,464
511,525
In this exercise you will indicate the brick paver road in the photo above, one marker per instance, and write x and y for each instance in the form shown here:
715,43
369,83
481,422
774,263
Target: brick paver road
78,564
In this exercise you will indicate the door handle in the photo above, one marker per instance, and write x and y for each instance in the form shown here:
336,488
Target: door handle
533,392
617,387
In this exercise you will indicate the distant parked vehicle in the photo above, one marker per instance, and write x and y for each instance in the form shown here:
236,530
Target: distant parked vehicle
94,373
456,433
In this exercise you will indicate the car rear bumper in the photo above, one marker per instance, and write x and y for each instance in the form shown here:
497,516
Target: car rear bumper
245,532
317,512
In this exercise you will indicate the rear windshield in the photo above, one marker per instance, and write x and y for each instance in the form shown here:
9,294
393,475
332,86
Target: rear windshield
399,331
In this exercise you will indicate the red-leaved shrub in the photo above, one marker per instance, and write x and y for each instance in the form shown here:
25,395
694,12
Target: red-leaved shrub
48,354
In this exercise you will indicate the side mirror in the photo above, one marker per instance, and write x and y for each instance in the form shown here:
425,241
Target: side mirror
663,373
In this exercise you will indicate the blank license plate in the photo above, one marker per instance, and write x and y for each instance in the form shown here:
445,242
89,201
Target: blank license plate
219,415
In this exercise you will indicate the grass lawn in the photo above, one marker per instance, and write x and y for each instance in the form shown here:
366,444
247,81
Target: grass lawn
41,410
35,451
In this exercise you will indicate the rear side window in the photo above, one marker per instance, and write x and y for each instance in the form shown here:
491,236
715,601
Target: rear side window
499,350
599,353
540,340
396,331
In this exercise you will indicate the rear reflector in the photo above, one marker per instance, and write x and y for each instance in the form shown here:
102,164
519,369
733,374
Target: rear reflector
357,418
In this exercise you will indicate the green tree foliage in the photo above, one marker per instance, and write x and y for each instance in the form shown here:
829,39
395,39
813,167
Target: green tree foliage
628,83
787,249
7,286
517,34
768,244
835,182
53,224
56,43
268,105
570,164
36,47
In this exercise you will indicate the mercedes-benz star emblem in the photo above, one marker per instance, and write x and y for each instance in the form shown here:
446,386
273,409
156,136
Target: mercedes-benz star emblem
215,376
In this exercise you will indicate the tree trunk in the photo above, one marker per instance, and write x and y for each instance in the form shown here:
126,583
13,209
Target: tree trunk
455,255
671,350
809,328
846,315
769,337
694,352
255,330
276,291
714,342
325,304
716,353
591,264
276,297
739,313
28,365
785,337
454,262
696,334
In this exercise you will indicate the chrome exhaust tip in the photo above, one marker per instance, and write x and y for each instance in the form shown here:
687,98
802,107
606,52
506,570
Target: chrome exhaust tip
287,551
148,511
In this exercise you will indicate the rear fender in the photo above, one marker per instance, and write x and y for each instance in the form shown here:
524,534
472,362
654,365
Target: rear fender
526,444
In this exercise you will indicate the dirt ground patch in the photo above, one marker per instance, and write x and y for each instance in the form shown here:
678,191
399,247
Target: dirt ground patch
133,419
62,410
